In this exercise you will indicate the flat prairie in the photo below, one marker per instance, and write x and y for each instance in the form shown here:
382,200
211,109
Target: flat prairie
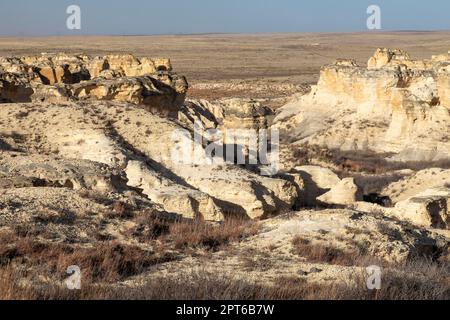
293,57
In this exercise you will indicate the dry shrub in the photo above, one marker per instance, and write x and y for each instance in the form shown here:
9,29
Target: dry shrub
106,262
200,234
152,224
319,253
183,233
110,261
373,184
119,210
10,285
49,216
358,161
306,154
370,162
203,285
16,283
417,279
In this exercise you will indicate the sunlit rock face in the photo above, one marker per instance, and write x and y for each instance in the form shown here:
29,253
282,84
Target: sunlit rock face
394,105
125,114
57,78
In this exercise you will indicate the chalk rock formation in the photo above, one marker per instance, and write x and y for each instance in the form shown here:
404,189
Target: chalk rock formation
143,147
345,192
227,114
427,209
49,171
396,105
416,183
384,56
317,181
240,124
59,78
188,202
94,111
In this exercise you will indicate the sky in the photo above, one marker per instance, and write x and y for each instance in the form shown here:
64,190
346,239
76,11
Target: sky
146,17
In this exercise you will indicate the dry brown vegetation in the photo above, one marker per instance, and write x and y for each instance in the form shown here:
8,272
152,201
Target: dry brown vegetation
419,281
418,278
354,162
109,262
162,239
319,253
184,233
195,234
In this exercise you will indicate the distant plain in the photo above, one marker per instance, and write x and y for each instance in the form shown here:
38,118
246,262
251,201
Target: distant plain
292,57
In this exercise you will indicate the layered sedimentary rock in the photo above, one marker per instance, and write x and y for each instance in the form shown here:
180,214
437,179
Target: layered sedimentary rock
343,193
239,124
49,171
59,78
428,209
173,197
227,114
142,147
317,181
96,110
395,105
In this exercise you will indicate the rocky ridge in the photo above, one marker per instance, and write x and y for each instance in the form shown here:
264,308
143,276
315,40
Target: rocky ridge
59,78
395,105
104,115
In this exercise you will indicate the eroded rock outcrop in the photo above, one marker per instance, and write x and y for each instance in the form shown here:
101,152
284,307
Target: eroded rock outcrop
96,110
427,209
59,78
345,192
227,114
395,105
49,171
317,181
141,146
188,202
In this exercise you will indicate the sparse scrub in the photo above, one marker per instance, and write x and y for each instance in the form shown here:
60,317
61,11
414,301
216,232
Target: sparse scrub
418,281
323,253
200,234
152,224
358,161
109,261
48,216
106,262
119,210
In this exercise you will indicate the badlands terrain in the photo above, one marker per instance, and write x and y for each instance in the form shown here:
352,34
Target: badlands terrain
89,127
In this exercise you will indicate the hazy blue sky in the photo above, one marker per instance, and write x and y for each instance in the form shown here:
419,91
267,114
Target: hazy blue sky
48,17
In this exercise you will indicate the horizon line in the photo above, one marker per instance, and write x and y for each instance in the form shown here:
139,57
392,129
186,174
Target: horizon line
228,33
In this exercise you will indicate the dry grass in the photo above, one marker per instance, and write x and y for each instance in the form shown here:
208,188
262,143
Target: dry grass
119,210
200,234
182,233
415,283
163,237
352,162
418,278
152,224
319,253
369,162
107,261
